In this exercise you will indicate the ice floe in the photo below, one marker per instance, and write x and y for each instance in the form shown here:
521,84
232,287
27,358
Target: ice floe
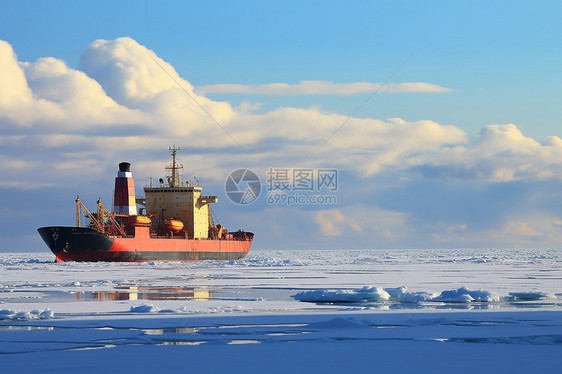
531,295
365,294
8,314
464,295
145,308
400,294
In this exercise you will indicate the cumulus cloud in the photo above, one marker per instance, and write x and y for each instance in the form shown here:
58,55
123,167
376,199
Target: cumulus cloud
17,103
332,222
125,101
500,154
528,229
12,77
376,224
136,77
320,88
47,96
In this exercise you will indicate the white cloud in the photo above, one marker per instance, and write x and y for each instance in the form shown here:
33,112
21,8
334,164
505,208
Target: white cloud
25,185
506,139
126,102
12,77
332,222
17,103
128,71
320,88
369,223
79,100
136,77
46,95
500,154
526,230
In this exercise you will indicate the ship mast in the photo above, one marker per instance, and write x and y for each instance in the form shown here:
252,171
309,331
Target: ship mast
174,167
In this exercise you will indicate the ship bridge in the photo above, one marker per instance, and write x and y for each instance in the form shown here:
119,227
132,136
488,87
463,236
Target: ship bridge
178,200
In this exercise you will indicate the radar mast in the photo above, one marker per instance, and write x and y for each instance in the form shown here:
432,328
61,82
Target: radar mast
175,179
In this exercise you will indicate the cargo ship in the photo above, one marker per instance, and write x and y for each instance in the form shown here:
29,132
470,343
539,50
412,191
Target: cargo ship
174,223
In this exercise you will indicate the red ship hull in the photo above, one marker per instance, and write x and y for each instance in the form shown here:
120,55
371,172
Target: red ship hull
86,244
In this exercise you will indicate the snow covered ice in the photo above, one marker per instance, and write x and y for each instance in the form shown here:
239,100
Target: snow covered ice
461,311
370,293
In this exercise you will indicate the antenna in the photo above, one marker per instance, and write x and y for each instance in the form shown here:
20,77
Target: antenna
174,167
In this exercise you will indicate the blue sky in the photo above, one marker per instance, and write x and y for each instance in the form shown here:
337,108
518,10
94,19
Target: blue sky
461,147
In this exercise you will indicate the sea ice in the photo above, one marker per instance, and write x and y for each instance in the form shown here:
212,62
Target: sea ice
364,294
532,295
400,294
145,311
374,294
464,295
338,323
145,308
8,314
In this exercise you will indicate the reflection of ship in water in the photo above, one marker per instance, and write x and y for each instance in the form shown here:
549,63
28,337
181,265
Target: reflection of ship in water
145,293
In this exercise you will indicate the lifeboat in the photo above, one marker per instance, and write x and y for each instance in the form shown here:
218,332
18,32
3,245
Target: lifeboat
140,221
174,224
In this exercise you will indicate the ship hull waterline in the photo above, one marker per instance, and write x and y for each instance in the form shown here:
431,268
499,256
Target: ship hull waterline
87,244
